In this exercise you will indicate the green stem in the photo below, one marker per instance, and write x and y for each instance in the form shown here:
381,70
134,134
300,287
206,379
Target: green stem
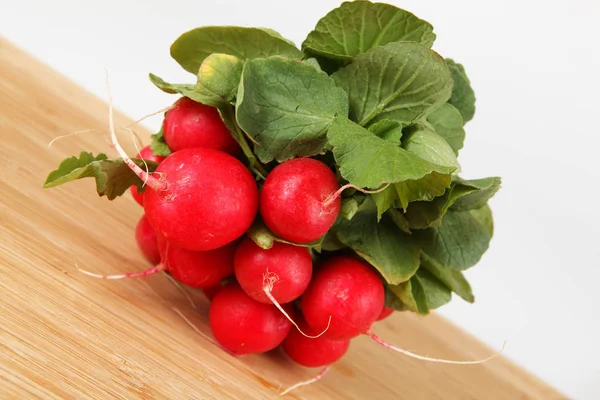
229,118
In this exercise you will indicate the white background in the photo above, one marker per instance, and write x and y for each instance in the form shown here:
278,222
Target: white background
535,67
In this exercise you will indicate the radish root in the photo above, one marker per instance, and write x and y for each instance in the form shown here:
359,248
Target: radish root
151,181
308,382
72,134
162,110
269,279
150,271
331,198
176,283
436,360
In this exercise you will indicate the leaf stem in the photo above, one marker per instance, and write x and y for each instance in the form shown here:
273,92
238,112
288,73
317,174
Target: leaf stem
331,198
239,136
152,182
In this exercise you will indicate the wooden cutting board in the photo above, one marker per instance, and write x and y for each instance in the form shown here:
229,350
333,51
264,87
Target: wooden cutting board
64,335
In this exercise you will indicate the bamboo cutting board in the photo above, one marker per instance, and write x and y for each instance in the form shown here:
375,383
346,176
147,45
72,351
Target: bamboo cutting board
64,335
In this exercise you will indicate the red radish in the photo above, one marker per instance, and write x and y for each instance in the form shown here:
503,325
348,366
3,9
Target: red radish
315,352
297,201
200,269
146,154
284,270
211,292
385,312
190,124
242,325
204,199
348,291
147,240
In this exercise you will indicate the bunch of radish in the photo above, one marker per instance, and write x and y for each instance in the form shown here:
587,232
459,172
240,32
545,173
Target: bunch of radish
309,192
252,289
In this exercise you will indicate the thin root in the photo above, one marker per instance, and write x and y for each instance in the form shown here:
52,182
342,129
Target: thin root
276,304
153,182
149,271
202,334
162,110
331,198
137,141
437,360
308,382
182,290
72,134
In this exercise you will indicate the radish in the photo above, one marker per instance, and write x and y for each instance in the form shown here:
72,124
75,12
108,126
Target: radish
146,154
243,325
310,352
203,199
147,240
191,124
348,291
299,200
211,292
200,269
385,312
284,271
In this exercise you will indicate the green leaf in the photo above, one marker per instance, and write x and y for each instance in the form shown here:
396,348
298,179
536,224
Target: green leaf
313,63
366,160
430,147
436,293
384,200
426,188
191,48
426,214
355,27
113,177
392,300
484,189
286,106
349,207
387,129
158,145
276,34
227,114
392,252
400,81
412,294
264,238
458,243
484,216
186,90
448,123
463,96
454,280
399,219
219,77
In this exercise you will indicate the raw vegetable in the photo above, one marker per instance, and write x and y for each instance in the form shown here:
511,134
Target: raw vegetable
284,271
146,154
313,352
349,291
243,325
191,124
354,142
203,200
147,241
298,201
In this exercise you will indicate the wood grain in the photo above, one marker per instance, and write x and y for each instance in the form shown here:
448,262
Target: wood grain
64,335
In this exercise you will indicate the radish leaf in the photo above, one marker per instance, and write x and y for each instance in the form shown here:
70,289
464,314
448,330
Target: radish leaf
194,46
463,96
286,106
355,27
113,176
400,81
